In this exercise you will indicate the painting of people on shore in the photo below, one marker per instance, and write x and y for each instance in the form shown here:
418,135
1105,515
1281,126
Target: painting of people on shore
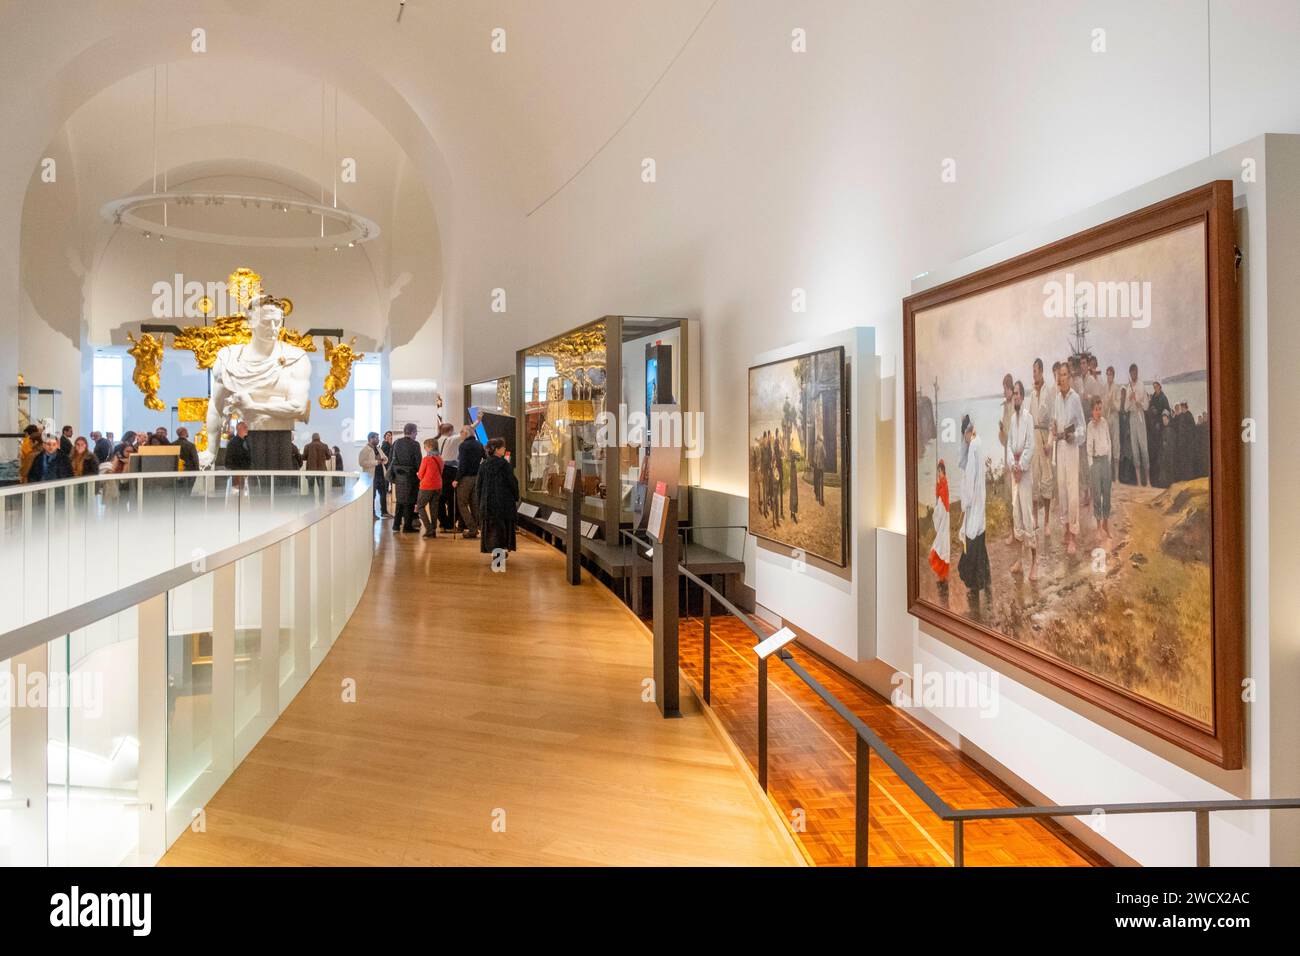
798,470
1062,466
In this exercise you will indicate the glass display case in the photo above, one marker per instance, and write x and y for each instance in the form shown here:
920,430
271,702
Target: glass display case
11,444
491,395
564,388
38,406
582,396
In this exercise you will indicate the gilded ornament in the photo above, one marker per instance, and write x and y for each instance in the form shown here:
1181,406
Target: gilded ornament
340,358
243,284
147,376
191,409
205,341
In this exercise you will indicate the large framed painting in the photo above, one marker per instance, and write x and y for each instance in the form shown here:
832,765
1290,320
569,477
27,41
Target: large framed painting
1073,467
798,454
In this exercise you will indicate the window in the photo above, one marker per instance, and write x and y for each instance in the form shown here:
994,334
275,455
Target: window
106,415
366,382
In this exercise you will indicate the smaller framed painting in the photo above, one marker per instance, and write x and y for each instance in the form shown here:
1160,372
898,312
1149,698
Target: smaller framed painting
798,454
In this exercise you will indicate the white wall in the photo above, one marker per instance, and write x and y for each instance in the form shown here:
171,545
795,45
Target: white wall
822,171
836,605
51,313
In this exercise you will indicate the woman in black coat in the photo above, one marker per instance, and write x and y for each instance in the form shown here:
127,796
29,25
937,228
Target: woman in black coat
498,493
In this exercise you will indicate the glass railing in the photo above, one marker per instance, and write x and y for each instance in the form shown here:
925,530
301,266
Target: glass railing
156,626
64,543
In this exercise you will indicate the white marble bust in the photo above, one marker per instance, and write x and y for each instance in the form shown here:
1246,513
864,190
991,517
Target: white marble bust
264,382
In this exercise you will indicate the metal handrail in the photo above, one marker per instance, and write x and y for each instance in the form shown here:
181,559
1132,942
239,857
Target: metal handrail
28,636
869,740
37,486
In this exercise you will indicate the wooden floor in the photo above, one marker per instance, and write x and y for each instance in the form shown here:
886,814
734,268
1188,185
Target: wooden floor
811,766
482,698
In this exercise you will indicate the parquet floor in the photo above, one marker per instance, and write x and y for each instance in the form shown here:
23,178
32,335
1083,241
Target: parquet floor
485,699
811,766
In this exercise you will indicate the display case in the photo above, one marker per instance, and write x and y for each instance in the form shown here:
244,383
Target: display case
492,395
11,444
578,393
38,406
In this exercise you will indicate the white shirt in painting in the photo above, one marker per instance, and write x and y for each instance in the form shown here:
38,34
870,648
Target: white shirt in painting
1138,397
1067,410
1098,439
972,491
1020,441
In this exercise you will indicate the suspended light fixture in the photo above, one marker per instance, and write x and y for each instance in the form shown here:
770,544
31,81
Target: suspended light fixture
354,228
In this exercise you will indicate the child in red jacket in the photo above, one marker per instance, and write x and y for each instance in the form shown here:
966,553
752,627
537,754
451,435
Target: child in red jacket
430,476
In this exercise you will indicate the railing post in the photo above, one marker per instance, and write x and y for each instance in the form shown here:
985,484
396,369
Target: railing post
958,843
269,637
707,598
223,669
666,639
29,735
151,699
1202,837
302,607
573,532
762,723
862,803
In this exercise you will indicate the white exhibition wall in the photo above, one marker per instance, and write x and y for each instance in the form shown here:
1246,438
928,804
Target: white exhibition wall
820,175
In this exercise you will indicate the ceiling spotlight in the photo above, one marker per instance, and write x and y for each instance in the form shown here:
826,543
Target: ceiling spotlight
352,244
401,7
148,235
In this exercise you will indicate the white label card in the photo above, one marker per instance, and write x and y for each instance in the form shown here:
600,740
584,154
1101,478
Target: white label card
765,649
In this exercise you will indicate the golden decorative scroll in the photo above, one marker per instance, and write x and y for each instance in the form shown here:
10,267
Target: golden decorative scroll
503,394
191,409
147,353
293,337
205,341
201,439
340,357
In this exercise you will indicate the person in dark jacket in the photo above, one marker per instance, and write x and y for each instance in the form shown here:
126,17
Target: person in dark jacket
317,455
468,460
65,440
449,451
386,446
103,447
404,464
189,454
498,494
239,457
51,462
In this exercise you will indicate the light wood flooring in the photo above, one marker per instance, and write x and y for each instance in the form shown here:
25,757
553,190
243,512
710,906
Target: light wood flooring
482,699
